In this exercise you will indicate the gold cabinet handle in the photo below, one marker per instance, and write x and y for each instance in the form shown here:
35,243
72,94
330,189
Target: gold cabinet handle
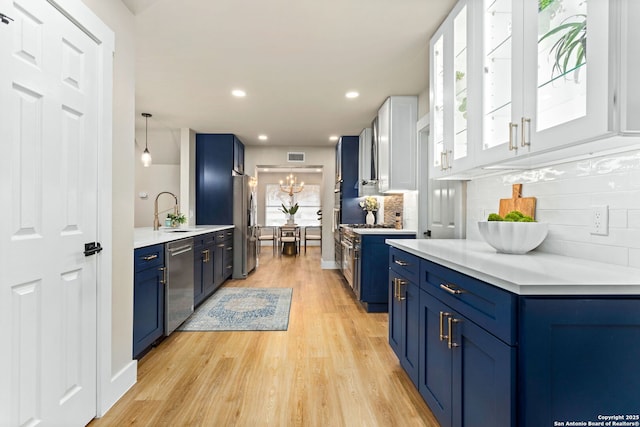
512,146
523,140
150,257
450,322
401,263
442,154
451,290
443,315
205,255
401,283
164,275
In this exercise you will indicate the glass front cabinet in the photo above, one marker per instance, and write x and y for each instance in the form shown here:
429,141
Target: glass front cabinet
449,96
532,78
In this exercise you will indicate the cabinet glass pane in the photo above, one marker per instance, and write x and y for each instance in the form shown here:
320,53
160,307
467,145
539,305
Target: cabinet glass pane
460,66
562,62
438,100
497,72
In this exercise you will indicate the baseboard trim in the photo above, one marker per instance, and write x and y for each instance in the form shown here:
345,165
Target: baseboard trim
121,382
328,265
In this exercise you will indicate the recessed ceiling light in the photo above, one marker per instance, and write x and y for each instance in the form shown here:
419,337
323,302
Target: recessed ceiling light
239,93
263,137
333,138
352,94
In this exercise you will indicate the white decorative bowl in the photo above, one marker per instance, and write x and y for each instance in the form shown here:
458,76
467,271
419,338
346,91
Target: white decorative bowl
513,237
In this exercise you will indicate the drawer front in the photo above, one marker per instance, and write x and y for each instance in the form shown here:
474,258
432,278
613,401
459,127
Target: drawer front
404,264
490,307
148,257
224,235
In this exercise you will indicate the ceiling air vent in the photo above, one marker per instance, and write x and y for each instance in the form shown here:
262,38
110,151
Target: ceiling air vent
295,157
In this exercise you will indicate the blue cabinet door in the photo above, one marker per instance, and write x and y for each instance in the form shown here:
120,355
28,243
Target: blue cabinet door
436,362
214,180
578,358
148,309
410,312
483,377
395,316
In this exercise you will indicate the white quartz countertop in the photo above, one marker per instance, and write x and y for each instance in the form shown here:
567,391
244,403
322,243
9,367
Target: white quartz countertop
146,236
535,273
382,231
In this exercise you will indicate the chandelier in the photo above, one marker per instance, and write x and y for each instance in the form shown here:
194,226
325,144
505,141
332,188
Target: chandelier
291,185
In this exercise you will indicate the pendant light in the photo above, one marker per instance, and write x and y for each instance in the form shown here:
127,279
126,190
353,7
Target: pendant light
146,155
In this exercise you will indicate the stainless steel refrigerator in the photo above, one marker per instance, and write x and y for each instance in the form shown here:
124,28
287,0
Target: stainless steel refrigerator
245,232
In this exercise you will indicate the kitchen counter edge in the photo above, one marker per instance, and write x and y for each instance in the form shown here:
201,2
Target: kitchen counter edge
146,236
535,273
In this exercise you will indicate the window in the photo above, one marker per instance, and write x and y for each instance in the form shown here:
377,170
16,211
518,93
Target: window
308,200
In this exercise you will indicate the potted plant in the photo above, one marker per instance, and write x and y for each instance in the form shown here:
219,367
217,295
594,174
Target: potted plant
291,211
570,49
175,220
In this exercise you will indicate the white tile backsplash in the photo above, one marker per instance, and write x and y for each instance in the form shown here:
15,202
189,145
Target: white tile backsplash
565,194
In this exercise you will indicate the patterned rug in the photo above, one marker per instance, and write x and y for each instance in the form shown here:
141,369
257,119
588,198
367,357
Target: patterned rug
242,309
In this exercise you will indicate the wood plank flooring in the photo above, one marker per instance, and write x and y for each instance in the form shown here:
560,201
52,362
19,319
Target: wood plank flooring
332,367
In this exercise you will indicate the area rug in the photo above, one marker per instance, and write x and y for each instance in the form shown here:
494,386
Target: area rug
242,309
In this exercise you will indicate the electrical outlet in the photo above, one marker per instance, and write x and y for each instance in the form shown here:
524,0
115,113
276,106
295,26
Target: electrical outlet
600,220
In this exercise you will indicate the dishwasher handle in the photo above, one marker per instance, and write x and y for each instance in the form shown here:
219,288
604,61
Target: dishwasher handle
180,250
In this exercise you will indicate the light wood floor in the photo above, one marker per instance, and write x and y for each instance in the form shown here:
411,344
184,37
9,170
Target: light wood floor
333,367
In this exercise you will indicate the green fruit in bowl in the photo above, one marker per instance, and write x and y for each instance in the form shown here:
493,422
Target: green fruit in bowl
513,216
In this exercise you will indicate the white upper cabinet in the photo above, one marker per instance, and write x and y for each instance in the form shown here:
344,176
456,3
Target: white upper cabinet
541,88
397,146
366,186
542,75
450,68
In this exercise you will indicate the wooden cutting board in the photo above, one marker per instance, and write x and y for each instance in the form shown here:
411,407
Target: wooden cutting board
526,205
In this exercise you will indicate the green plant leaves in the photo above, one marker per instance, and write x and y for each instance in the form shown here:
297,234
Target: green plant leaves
573,41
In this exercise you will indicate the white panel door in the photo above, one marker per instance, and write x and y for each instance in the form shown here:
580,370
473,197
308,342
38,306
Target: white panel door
48,117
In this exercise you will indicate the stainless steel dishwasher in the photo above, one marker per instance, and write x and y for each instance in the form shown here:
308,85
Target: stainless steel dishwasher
179,289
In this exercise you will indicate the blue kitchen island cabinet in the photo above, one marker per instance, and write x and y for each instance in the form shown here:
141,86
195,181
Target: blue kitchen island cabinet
543,341
148,297
218,156
404,310
579,359
466,373
372,269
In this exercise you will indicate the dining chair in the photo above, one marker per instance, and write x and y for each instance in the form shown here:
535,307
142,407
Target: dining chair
267,233
289,234
312,232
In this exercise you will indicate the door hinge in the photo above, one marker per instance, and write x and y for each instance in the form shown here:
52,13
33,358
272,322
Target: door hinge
5,19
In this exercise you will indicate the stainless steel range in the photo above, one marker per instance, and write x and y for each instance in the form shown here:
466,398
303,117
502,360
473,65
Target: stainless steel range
350,245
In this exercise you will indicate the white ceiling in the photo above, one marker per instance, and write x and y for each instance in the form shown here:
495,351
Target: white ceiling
296,59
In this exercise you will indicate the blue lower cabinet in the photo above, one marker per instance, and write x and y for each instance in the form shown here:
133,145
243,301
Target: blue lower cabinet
467,375
436,361
203,267
404,323
373,270
484,377
148,298
578,358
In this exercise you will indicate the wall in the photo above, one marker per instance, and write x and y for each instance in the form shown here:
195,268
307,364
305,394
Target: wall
116,15
151,181
325,156
565,194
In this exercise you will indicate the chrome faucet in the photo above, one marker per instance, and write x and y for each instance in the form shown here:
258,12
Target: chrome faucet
156,221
